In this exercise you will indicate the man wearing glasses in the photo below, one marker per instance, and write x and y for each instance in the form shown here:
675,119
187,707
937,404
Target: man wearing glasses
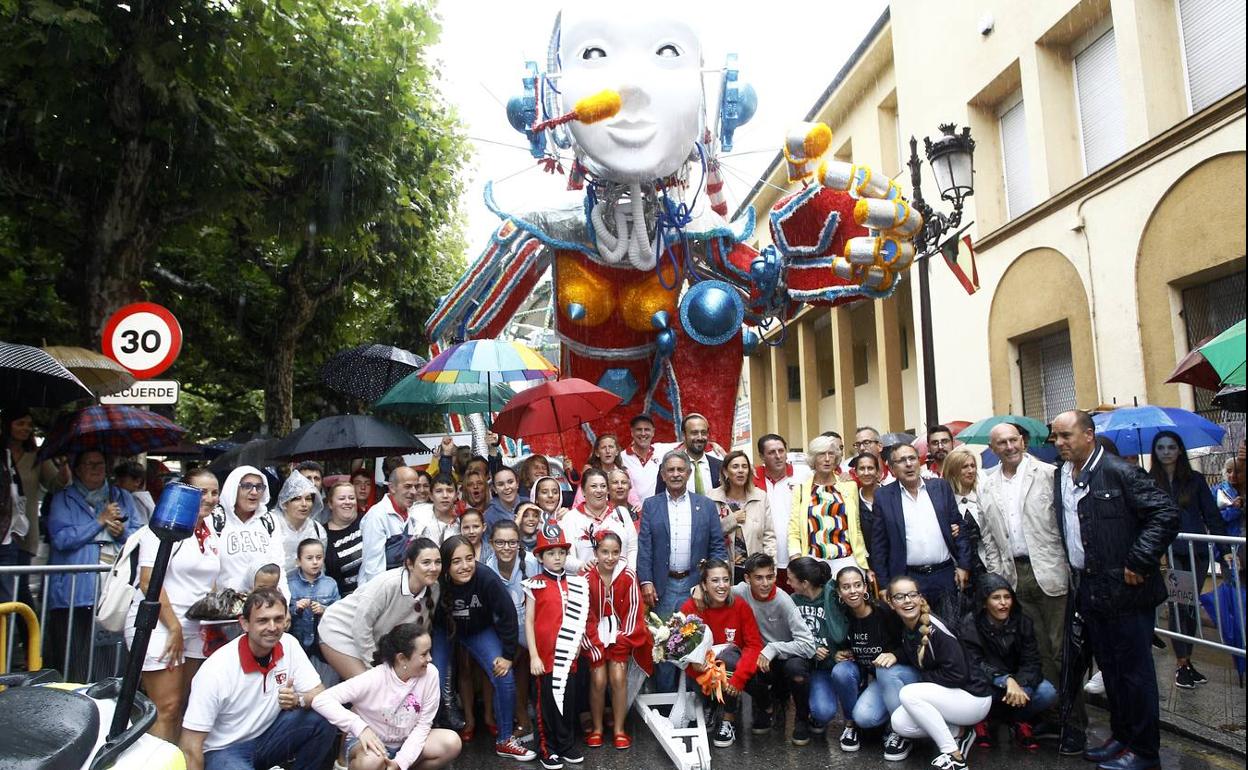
939,444
913,533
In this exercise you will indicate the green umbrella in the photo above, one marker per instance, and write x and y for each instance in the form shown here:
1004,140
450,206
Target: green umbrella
977,433
412,395
1225,353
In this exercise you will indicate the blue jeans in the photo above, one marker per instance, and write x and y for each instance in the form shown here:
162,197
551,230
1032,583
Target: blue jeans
871,706
440,651
832,686
484,647
675,593
1042,697
301,735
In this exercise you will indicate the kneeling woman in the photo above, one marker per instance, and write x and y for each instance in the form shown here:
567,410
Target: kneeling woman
952,693
1001,642
480,616
351,628
731,622
392,707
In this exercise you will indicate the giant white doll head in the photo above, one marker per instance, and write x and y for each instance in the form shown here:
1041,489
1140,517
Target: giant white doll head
654,61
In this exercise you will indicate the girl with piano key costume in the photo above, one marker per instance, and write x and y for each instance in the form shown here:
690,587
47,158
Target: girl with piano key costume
481,618
557,608
615,633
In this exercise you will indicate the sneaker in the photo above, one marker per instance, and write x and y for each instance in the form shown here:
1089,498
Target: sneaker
552,762
762,722
1023,737
849,739
1183,679
573,757
1095,685
1074,742
725,734
983,735
896,748
947,762
1158,643
965,741
801,732
1197,677
512,748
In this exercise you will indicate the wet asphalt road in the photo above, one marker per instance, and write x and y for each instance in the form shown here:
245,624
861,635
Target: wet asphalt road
774,752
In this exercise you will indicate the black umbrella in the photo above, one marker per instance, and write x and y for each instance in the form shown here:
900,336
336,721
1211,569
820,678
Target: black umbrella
1232,398
347,436
893,439
256,453
31,377
368,372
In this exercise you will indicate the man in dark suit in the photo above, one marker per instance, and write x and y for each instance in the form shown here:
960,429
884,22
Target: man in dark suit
913,534
679,529
704,467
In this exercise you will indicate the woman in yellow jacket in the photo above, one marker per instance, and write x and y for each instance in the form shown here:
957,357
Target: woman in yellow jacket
824,521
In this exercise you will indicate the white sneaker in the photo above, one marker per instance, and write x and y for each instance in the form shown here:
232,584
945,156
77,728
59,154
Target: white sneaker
1095,685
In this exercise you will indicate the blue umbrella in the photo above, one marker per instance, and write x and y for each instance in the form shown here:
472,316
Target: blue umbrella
1134,428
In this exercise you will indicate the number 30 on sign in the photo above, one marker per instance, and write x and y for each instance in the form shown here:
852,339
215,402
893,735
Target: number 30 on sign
143,337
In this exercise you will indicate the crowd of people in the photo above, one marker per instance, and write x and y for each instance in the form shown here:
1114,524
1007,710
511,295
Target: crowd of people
914,598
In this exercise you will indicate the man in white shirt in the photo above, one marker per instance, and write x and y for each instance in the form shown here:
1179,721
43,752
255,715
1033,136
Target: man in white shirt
641,459
1022,543
913,533
778,478
387,519
251,701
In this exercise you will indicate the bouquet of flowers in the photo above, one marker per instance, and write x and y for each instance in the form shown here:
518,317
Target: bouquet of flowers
682,640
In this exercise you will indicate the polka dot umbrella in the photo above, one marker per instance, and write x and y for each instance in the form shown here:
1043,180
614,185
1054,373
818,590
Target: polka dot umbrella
368,372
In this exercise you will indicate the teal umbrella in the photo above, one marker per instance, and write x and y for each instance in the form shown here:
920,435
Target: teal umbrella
413,395
1225,354
977,433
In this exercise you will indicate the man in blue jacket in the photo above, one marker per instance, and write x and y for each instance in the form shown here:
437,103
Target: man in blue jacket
913,533
679,529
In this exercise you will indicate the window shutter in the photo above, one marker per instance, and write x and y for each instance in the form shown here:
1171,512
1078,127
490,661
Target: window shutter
1098,89
1213,48
1015,161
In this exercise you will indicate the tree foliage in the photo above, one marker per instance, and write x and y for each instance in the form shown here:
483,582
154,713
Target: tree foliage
281,174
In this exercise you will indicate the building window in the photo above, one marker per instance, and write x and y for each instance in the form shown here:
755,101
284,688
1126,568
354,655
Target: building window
1208,309
795,383
1015,162
1048,375
1213,49
1098,95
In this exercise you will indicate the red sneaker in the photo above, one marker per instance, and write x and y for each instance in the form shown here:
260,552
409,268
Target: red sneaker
1024,736
512,748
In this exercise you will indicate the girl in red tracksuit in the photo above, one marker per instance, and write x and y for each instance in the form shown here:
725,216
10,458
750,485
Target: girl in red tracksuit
731,622
615,632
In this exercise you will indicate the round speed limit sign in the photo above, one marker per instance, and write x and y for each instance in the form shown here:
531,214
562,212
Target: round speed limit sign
143,337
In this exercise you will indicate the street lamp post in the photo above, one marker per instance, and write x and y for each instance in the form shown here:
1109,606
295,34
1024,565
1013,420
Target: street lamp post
952,158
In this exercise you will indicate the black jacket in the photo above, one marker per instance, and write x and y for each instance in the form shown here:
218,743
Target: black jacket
1006,649
946,662
1124,521
480,604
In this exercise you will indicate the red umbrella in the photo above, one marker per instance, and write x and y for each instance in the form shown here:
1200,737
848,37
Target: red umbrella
1196,370
553,407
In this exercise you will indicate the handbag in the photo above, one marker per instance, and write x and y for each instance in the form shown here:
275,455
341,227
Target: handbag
225,604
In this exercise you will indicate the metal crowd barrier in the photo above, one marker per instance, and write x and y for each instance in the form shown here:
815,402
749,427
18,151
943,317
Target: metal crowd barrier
105,655
1201,558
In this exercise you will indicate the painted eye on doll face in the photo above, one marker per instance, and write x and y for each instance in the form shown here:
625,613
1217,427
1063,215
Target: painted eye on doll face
655,65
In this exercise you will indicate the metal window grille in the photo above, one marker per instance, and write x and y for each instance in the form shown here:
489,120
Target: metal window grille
1048,375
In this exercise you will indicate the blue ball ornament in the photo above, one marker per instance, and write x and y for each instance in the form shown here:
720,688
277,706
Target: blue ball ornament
575,311
520,112
749,341
711,312
666,342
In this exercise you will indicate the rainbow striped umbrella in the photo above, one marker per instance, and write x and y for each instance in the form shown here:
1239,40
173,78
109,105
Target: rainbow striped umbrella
487,361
